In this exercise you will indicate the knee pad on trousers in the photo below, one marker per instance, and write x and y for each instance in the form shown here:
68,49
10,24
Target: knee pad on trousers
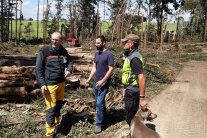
50,115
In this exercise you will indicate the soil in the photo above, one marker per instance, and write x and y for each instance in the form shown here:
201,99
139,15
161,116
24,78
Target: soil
181,107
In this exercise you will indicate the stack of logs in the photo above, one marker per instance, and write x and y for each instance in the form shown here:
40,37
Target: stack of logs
17,75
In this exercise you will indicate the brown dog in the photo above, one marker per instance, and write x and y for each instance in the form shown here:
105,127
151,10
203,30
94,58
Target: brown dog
138,129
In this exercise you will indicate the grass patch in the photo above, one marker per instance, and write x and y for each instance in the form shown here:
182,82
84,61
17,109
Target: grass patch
192,49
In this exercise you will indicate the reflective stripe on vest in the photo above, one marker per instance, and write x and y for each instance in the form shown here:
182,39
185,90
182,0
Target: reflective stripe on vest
128,76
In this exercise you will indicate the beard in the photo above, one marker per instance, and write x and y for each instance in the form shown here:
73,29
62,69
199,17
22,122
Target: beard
99,48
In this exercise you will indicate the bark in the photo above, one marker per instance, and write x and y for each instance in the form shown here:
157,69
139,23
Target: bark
13,91
11,22
118,31
13,99
82,68
104,16
204,37
82,56
122,21
38,17
2,20
20,22
115,24
142,31
83,62
192,20
17,77
16,25
10,60
17,70
161,37
138,18
75,22
28,84
149,17
97,19
145,39
45,22
8,16
34,94
128,26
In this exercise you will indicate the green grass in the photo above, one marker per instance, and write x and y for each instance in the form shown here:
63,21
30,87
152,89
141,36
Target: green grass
104,28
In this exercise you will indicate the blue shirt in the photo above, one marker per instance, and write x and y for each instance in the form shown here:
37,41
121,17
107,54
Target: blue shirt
103,60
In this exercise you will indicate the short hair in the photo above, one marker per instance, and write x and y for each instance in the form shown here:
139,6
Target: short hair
103,39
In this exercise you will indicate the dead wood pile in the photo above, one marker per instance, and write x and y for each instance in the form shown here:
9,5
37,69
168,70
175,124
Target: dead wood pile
17,75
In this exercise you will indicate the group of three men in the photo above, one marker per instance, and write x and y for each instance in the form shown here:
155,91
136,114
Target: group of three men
54,64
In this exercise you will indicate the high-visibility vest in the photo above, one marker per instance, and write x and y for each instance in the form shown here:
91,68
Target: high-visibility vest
128,76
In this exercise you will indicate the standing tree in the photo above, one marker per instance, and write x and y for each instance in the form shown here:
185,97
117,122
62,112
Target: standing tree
20,19
87,15
45,19
38,16
160,6
59,8
4,19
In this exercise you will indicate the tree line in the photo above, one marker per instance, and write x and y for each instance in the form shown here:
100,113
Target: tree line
125,16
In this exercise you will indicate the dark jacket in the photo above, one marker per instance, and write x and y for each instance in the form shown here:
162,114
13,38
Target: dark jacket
51,64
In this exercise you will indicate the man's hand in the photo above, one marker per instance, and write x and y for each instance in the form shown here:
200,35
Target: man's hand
143,103
67,74
43,89
99,84
87,83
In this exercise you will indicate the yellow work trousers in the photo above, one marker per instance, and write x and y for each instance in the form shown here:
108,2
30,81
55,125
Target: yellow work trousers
53,98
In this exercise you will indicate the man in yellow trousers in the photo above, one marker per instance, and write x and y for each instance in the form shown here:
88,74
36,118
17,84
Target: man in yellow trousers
50,73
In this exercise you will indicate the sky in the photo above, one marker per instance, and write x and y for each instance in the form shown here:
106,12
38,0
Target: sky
29,9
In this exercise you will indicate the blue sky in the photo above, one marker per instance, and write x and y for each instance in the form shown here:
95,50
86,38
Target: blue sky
29,9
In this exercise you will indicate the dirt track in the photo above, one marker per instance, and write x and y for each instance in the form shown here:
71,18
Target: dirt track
182,106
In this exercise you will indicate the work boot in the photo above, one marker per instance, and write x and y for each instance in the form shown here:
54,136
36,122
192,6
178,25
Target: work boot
97,130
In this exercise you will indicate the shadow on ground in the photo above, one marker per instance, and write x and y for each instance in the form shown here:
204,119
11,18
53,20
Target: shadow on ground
114,116
69,119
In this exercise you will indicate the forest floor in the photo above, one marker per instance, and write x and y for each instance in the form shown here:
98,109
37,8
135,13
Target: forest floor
175,88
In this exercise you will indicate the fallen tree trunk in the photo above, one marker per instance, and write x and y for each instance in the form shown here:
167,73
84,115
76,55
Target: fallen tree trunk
155,65
30,84
82,68
17,77
10,76
83,62
17,70
18,57
13,99
11,60
13,91
82,56
75,52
